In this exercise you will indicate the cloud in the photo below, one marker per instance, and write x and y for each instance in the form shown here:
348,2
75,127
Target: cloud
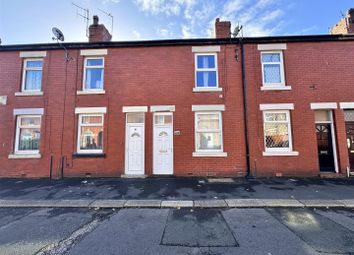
136,35
167,7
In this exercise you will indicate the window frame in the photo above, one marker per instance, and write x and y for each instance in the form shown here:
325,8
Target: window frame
282,73
196,69
284,149
24,74
18,129
92,67
196,131
80,125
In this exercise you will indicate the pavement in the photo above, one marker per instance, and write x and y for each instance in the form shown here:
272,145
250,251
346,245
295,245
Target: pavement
177,193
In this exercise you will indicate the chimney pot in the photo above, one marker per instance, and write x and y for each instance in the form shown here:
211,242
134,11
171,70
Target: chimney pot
95,20
98,32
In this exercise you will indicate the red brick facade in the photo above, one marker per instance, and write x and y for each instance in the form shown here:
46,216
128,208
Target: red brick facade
164,74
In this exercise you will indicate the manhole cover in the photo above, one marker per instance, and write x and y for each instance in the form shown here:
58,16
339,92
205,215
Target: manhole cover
220,180
197,228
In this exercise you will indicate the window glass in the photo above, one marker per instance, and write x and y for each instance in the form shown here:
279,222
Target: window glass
270,57
135,117
94,78
29,139
34,63
206,79
94,74
32,75
208,132
209,141
91,133
163,119
208,121
28,133
91,138
349,115
276,130
272,73
94,62
322,115
207,61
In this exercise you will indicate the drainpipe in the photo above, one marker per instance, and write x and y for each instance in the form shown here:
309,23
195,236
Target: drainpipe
245,115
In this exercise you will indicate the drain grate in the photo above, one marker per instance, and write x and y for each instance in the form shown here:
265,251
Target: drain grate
220,180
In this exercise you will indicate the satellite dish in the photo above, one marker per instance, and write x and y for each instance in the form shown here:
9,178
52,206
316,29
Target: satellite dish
237,30
58,34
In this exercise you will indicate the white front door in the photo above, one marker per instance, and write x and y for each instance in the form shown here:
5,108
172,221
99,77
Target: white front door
134,144
163,143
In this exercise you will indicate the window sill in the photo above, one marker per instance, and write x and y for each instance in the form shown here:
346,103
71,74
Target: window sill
207,89
24,156
280,87
278,153
29,93
89,155
90,92
210,154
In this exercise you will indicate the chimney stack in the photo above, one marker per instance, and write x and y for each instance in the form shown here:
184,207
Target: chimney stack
345,25
98,32
222,29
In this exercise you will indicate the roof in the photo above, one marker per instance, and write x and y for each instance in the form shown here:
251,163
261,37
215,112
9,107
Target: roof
177,42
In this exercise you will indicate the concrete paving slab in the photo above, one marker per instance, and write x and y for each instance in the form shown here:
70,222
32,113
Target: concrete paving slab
75,203
349,203
322,203
217,203
245,203
282,203
108,203
176,203
143,203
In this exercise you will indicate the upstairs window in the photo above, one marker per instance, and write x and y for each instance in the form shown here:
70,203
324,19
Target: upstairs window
90,137
93,74
277,131
28,134
272,69
206,73
32,75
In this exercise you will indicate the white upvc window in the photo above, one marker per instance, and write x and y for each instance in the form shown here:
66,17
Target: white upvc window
28,134
272,69
206,71
32,75
93,74
277,131
208,132
90,133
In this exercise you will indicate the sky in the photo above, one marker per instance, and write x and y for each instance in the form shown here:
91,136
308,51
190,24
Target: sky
31,21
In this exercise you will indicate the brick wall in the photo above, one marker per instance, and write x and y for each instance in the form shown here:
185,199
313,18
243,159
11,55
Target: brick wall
133,76
317,72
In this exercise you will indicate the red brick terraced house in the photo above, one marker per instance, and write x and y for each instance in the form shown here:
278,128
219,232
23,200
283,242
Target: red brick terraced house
271,106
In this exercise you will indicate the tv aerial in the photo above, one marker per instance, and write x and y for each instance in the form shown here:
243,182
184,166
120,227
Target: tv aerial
59,37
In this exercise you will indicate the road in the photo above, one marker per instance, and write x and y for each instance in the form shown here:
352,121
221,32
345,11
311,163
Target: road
176,231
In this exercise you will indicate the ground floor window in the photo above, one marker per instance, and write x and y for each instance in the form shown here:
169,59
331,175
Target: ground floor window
208,132
28,134
277,131
90,133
